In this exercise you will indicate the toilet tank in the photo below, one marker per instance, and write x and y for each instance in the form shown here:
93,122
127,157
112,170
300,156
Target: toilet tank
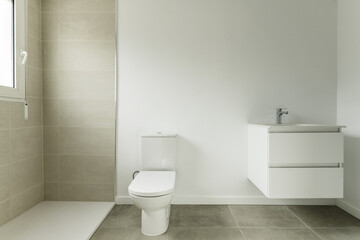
158,152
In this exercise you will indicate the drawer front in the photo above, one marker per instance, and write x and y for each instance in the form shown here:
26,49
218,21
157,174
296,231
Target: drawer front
305,148
306,183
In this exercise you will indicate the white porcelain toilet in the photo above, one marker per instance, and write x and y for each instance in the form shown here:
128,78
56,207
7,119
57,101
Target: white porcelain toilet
152,189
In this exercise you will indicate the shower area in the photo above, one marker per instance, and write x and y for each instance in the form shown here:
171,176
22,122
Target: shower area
59,164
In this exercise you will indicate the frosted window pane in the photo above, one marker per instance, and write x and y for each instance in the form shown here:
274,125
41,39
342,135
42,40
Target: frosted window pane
6,43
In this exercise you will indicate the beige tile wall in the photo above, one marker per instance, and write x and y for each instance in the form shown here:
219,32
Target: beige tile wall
79,107
21,164
69,140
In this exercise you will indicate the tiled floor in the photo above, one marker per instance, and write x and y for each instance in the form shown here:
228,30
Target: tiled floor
212,222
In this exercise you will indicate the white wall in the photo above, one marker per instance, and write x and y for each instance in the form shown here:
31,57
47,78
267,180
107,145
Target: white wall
349,98
204,68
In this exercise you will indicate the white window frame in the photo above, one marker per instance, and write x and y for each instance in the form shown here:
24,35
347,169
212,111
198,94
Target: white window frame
20,46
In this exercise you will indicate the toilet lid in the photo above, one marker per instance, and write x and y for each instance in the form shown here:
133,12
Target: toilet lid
152,183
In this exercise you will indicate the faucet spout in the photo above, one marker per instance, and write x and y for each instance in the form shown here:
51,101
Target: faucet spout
279,113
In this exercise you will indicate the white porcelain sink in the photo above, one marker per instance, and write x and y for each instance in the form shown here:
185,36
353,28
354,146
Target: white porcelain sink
300,127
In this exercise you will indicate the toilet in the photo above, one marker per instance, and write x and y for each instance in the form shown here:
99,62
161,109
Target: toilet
152,188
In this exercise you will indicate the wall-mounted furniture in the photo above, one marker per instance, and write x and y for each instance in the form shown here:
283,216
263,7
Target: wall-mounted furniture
296,161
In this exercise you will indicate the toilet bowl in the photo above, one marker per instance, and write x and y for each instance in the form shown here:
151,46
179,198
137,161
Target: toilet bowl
152,192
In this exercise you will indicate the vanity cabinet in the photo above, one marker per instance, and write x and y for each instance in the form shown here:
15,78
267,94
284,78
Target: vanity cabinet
296,161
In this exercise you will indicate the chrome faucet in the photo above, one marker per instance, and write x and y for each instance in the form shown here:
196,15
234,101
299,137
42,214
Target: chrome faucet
279,113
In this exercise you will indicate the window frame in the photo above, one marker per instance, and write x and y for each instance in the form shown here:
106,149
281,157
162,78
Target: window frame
20,43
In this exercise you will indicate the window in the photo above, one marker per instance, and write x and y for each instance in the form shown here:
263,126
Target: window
7,43
13,49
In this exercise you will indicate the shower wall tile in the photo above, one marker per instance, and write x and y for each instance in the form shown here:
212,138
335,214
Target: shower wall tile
50,54
50,83
51,168
25,143
87,5
87,169
21,167
79,99
83,85
50,26
50,5
4,115
87,113
26,200
34,82
84,26
87,56
51,191
51,108
4,146
4,182
36,4
86,141
86,192
4,212
50,135
26,174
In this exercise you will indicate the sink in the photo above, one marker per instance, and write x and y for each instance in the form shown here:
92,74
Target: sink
300,127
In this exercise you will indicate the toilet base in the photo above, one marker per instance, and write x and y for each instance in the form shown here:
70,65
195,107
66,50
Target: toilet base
154,223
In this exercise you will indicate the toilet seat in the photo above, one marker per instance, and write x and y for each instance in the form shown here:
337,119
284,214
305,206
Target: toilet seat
153,183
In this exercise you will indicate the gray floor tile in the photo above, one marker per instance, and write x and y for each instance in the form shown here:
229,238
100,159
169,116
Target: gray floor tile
124,234
264,216
212,222
338,233
201,216
278,234
325,216
180,233
123,216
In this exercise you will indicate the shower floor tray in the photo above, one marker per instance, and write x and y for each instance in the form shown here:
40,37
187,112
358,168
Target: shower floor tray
57,220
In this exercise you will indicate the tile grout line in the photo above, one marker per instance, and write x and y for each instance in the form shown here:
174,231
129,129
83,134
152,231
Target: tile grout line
78,126
304,223
237,224
22,128
335,227
75,41
74,11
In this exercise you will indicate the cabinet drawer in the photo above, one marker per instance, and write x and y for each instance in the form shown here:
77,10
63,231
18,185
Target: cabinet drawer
305,183
305,148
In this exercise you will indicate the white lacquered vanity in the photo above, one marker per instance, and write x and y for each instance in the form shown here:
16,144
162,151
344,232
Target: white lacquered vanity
296,160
